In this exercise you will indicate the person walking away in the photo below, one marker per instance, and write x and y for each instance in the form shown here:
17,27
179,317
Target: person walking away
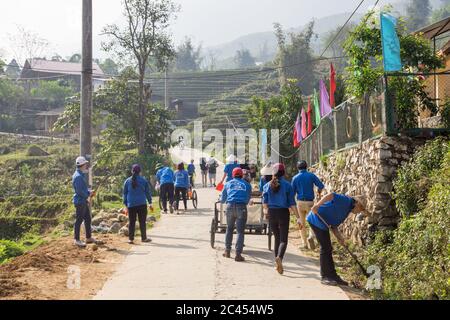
330,212
212,170
136,194
278,201
253,171
191,171
236,195
81,200
303,184
232,163
181,187
165,178
204,170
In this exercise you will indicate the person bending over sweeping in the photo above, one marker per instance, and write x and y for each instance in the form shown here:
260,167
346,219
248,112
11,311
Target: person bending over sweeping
328,214
236,194
278,202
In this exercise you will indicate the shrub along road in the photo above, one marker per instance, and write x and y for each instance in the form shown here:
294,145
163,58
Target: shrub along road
180,264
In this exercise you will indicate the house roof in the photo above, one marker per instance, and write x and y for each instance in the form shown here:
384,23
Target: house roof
54,112
436,29
59,67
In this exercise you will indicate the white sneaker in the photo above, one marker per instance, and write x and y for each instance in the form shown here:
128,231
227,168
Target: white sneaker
79,244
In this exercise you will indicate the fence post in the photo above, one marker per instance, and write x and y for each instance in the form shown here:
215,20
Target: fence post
336,145
360,119
387,109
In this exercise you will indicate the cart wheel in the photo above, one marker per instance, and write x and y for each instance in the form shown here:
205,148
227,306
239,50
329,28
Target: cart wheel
194,199
213,232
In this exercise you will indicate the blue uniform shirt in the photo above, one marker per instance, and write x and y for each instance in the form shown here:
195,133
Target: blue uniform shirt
334,212
262,183
165,176
229,170
283,199
303,184
236,191
191,169
80,187
139,196
181,179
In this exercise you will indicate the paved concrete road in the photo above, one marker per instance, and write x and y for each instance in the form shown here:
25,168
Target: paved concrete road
180,264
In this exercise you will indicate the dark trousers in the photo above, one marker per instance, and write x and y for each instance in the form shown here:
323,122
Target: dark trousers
167,194
236,217
180,193
327,268
134,213
83,214
279,224
191,180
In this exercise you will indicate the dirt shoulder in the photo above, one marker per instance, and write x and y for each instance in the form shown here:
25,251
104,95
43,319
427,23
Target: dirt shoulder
43,273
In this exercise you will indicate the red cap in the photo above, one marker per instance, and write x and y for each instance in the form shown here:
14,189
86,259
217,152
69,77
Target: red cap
238,172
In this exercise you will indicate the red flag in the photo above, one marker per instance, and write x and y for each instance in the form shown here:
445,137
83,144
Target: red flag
333,86
304,129
310,124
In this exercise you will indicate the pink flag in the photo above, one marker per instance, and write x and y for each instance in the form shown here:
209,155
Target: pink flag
325,107
298,132
304,127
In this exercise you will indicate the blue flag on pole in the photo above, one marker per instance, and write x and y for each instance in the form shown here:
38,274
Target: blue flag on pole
391,43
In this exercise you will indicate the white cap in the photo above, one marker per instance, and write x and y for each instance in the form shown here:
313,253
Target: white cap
81,161
231,159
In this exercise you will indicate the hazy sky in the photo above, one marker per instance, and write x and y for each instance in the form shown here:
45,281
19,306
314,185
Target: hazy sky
209,22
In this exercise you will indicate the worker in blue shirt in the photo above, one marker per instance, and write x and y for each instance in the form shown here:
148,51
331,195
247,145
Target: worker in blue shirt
278,202
236,194
232,163
191,171
136,193
181,179
81,200
165,178
327,215
303,184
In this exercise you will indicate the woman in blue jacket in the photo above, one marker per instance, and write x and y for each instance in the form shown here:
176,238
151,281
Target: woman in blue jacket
136,193
278,202
181,179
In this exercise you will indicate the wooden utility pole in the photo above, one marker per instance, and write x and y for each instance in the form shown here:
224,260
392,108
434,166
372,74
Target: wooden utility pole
166,89
86,84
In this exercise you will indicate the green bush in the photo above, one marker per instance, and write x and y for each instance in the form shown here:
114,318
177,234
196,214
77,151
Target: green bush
414,180
445,113
9,249
415,258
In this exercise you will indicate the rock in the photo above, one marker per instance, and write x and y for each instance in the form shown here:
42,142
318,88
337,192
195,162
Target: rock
151,219
4,150
385,154
97,220
122,218
385,187
115,228
124,231
35,151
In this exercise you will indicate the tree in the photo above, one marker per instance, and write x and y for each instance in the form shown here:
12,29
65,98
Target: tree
145,37
211,63
442,12
365,68
12,96
54,92
295,58
110,67
75,58
116,106
337,46
244,59
278,112
27,45
418,12
13,69
2,66
188,58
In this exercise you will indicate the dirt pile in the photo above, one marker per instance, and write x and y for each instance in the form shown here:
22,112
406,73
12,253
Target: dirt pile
42,273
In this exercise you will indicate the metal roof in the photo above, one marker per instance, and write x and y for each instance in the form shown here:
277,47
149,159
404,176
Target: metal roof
59,67
436,29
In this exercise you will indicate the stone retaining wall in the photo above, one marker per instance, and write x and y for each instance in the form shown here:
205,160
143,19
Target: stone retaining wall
368,170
